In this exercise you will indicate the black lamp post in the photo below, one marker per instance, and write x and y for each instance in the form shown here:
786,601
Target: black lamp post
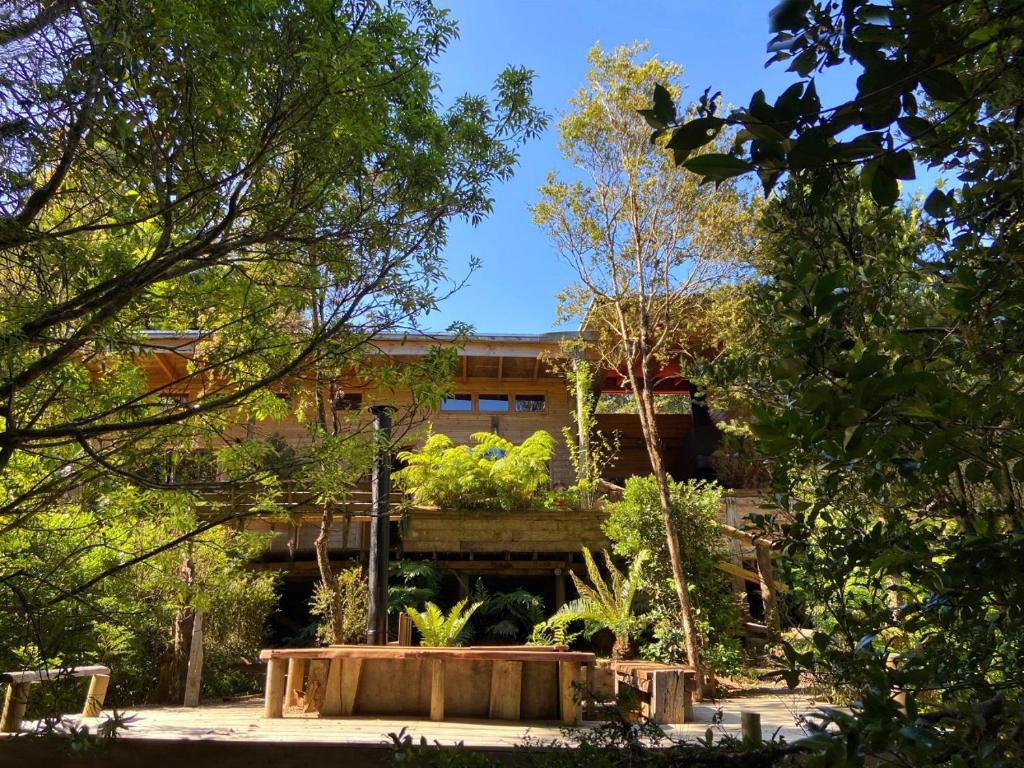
377,615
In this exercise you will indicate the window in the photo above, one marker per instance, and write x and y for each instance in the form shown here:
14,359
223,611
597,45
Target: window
492,403
348,401
530,403
457,404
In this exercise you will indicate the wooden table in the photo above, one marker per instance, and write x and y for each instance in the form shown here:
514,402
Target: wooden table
497,682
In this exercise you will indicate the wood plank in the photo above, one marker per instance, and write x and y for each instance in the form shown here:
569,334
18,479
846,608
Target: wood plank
668,697
296,673
44,675
510,653
506,690
350,669
404,629
766,573
273,693
332,699
570,708
735,570
97,693
316,685
437,689
194,675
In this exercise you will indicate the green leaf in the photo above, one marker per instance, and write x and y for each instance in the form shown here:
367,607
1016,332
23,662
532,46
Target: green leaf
943,85
884,188
717,167
695,133
937,203
914,127
664,107
788,14
900,165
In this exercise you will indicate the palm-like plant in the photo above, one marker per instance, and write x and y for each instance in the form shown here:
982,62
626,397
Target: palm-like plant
438,630
608,604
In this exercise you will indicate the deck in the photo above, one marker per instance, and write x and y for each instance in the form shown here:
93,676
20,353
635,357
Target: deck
225,735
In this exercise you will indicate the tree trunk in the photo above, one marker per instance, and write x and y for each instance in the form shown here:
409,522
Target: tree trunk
327,577
173,677
623,648
655,450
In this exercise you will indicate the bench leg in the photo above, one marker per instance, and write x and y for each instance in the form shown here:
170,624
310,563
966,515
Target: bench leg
570,709
14,707
332,698
296,680
97,693
437,689
316,686
273,696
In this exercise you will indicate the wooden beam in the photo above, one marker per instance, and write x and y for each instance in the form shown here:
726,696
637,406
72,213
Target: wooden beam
194,676
97,693
735,570
273,702
464,362
14,707
437,689
165,366
501,367
536,370
296,673
766,574
570,709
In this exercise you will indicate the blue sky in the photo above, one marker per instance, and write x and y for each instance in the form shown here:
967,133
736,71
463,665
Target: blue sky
720,44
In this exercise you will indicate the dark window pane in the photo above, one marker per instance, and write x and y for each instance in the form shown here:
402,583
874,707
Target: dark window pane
457,404
348,401
530,403
492,403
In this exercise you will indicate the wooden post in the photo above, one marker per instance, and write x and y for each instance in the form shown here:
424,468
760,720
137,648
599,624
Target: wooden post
332,699
274,693
766,576
296,673
559,588
750,726
668,696
569,707
404,629
194,677
377,615
506,690
14,707
350,670
316,686
437,689
97,693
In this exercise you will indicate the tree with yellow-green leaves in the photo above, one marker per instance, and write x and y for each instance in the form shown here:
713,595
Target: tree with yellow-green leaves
647,243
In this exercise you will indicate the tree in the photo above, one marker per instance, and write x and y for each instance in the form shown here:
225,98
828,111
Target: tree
276,178
607,604
438,630
890,406
645,242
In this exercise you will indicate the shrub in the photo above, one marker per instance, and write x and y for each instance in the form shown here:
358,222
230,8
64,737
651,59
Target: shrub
342,611
635,524
439,631
491,474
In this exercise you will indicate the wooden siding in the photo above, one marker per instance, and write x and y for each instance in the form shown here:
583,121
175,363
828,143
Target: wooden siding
632,458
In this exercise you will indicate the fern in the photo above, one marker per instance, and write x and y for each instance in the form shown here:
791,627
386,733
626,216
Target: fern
438,630
607,604
493,473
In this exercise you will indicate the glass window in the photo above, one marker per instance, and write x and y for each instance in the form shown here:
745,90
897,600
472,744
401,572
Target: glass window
492,403
530,403
457,404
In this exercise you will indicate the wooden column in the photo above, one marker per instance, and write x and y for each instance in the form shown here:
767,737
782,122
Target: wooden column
97,693
404,629
377,615
14,707
194,676
437,689
750,726
570,709
350,670
559,589
274,693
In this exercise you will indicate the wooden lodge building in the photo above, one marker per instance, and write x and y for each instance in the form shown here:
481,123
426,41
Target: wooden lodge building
505,385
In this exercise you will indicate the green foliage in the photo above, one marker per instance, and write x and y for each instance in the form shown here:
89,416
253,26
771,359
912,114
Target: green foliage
411,584
635,525
343,610
438,630
491,474
883,362
608,604
505,618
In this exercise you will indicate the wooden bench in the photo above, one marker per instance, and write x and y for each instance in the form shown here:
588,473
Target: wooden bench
496,682
19,683
665,691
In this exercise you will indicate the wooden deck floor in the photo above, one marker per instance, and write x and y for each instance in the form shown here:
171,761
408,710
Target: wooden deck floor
242,721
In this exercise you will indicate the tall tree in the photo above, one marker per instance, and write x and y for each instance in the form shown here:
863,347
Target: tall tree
890,381
645,243
205,168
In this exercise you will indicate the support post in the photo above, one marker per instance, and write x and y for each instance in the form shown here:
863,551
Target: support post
750,726
377,615
14,707
97,693
766,574
194,676
273,694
